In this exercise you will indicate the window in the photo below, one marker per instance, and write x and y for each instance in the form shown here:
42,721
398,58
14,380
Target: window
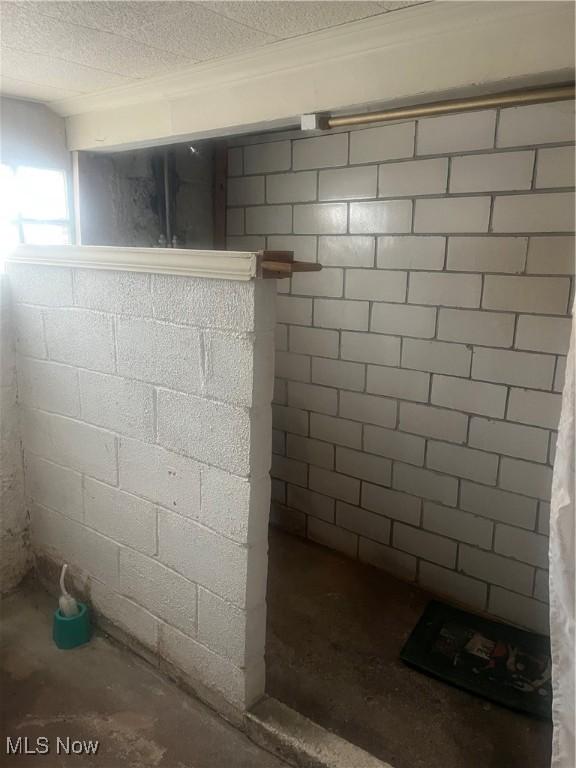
33,207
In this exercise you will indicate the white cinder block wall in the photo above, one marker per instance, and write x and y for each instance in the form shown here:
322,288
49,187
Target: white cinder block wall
146,423
419,374
14,545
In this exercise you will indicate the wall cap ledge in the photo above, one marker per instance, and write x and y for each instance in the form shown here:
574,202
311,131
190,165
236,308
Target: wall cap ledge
223,265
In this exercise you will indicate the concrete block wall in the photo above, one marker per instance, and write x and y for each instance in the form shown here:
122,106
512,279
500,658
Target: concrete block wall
146,424
419,374
14,541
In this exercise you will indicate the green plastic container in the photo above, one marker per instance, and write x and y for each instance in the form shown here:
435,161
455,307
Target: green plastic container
72,631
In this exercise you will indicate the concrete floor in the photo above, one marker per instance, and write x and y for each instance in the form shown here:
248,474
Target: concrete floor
335,630
101,691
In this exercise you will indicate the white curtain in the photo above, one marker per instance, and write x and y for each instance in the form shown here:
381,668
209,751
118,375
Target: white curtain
562,576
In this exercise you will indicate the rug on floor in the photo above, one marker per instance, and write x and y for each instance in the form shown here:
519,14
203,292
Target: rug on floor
504,664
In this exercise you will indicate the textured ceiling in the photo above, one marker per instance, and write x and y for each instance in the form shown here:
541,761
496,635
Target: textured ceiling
51,50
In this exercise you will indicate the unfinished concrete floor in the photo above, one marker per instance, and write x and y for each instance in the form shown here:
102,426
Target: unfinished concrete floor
101,691
335,630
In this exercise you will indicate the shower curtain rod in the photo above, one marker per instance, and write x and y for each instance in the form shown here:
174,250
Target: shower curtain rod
562,92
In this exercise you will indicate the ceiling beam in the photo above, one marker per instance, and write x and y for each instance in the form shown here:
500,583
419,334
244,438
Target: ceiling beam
439,49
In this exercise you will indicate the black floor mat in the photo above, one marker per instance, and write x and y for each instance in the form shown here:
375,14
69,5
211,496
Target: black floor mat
496,661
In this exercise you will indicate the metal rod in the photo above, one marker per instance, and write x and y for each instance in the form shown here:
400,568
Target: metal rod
167,201
507,99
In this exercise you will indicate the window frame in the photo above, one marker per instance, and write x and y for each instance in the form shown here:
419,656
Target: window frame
20,221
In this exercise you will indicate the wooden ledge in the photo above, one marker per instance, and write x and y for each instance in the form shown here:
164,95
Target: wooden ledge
274,265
